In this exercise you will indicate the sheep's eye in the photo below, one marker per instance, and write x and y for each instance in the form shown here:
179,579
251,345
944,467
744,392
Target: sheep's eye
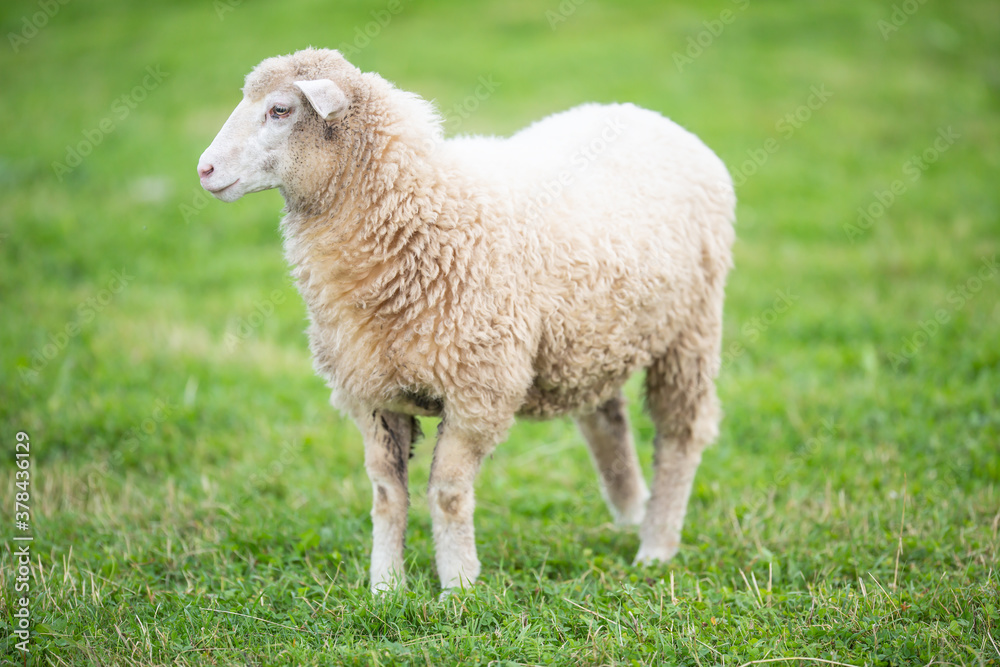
279,111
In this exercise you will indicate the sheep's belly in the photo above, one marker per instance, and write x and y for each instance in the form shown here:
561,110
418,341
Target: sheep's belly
542,403
582,374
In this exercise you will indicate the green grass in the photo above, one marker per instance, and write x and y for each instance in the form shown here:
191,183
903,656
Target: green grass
195,500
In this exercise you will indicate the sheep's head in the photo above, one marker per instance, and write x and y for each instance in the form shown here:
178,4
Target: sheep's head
286,101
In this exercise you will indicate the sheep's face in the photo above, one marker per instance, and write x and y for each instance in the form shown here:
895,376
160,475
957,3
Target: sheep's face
252,150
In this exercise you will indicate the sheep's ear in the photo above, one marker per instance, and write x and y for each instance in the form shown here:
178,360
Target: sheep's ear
325,96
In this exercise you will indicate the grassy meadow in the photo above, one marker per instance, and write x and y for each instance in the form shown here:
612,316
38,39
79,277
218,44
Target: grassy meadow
193,499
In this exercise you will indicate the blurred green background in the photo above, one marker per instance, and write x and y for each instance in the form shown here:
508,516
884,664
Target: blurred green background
194,497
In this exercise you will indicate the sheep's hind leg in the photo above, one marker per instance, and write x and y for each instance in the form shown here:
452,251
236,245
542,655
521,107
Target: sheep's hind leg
682,402
450,495
609,439
388,437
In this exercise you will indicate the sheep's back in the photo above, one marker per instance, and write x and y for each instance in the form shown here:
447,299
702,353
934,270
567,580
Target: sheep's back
628,222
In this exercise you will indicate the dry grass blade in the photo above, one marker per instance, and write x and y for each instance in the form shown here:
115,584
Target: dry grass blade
262,620
819,660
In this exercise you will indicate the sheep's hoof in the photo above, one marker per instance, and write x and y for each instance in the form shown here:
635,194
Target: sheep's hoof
630,517
456,592
449,593
651,556
380,588
632,511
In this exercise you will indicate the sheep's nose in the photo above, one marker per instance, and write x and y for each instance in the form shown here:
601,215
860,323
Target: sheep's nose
205,170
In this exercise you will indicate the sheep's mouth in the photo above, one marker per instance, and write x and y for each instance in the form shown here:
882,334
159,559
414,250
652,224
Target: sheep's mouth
224,187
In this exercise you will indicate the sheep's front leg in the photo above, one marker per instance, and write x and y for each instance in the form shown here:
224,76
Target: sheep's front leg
450,494
387,437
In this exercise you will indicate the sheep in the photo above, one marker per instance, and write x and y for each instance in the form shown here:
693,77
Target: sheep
478,279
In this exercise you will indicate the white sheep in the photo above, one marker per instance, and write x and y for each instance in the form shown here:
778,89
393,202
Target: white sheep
482,278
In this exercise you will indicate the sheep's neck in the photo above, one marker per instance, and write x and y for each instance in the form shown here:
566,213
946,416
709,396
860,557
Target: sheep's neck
388,253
